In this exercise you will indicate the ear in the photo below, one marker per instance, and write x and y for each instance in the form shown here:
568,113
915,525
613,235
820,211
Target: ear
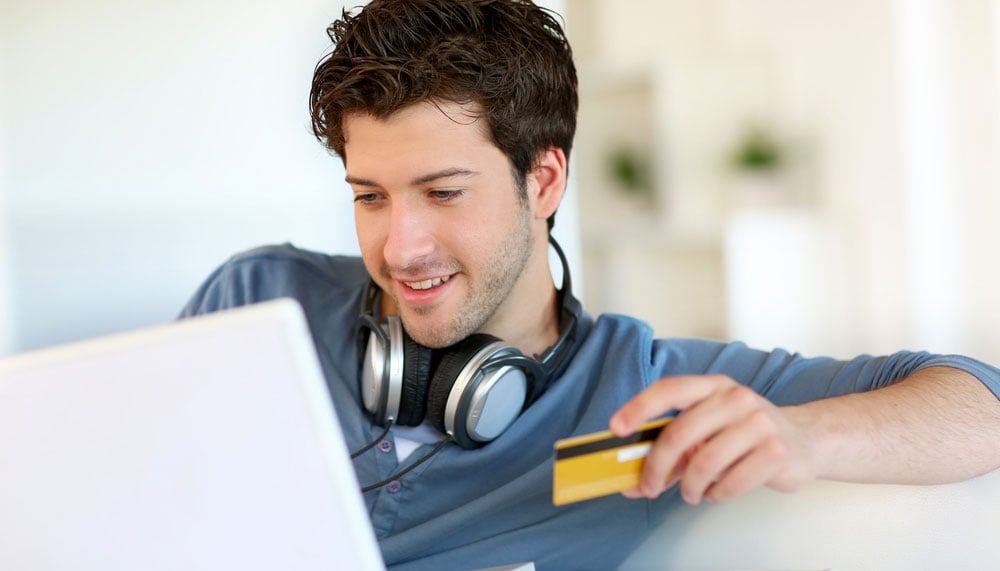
546,182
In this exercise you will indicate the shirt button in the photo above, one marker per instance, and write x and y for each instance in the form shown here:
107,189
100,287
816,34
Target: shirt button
385,445
394,486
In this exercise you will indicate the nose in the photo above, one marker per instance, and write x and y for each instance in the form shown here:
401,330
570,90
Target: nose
410,238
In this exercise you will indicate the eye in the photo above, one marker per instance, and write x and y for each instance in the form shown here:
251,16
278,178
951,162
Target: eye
366,198
446,195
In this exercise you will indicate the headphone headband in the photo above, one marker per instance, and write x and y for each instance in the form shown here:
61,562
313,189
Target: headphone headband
553,358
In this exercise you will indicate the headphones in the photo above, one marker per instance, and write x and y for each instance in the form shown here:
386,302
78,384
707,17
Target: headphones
473,390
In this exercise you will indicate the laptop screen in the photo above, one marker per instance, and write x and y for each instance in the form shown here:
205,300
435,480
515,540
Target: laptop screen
208,443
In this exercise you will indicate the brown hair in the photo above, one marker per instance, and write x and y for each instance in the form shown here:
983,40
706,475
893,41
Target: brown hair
509,57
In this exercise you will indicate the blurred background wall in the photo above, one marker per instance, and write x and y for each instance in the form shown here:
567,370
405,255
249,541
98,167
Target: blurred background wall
145,142
814,174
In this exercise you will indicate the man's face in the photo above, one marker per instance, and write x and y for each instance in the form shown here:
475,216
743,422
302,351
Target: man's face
441,225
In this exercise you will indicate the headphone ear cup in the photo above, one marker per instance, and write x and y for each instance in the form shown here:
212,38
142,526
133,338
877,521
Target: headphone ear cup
453,362
416,378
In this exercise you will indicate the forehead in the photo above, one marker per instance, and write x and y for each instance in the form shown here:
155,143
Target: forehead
418,136
418,121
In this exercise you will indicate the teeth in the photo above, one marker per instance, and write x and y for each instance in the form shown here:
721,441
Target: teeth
428,284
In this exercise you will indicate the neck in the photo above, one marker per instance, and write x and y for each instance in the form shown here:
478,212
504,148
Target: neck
529,318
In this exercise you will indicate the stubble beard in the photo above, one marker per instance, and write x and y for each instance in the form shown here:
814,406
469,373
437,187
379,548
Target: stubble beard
500,274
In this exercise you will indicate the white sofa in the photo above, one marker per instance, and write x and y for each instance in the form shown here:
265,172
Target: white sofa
846,527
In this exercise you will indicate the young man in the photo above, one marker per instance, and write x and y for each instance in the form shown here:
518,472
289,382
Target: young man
455,121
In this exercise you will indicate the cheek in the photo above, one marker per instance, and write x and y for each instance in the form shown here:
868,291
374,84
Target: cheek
375,266
482,234
370,241
470,238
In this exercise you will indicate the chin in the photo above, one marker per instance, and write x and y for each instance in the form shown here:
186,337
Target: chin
433,341
425,331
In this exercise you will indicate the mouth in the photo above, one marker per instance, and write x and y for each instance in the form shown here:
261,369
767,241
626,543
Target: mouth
427,284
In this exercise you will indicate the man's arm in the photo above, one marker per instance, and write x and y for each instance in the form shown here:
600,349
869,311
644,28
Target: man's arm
937,425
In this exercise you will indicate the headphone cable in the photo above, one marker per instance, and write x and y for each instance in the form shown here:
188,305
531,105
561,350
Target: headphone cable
368,446
419,461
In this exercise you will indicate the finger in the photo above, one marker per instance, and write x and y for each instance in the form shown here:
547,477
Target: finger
692,429
664,395
636,492
714,460
633,493
754,470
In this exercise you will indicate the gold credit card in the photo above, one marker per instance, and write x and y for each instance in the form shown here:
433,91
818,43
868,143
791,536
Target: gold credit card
600,464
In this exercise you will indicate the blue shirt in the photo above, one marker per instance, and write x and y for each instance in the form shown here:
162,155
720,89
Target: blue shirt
466,509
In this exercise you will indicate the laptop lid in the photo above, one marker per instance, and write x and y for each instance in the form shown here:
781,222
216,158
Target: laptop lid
207,443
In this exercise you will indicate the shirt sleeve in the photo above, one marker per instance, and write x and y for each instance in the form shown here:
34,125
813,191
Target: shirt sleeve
269,272
227,287
789,378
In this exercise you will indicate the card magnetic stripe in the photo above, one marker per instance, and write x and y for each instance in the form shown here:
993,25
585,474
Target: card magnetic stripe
647,434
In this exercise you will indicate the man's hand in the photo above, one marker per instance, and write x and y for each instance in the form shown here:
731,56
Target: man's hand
726,441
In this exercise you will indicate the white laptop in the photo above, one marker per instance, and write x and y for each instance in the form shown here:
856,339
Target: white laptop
208,443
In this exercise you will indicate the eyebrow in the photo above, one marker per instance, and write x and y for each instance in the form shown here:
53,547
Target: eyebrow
423,179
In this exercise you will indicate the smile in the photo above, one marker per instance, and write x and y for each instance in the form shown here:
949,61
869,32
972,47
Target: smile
427,284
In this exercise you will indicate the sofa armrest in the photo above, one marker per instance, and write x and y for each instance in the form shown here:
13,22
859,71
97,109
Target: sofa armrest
834,525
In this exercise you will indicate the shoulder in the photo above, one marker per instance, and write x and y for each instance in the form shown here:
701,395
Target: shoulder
615,333
614,354
616,358
291,260
623,341
283,270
